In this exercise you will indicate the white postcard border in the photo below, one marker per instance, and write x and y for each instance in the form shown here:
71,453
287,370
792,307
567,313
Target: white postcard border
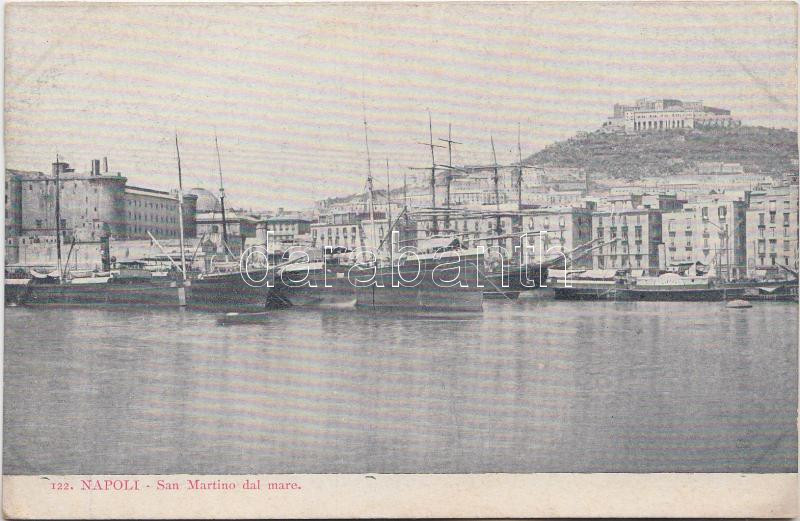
404,495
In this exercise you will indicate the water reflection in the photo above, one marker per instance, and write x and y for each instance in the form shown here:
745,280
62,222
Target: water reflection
531,386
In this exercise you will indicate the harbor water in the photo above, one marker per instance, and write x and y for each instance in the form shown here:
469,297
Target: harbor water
526,386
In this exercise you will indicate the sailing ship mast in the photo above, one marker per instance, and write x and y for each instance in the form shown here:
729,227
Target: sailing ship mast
58,217
496,179
180,208
389,210
519,168
405,199
449,176
369,183
221,195
433,172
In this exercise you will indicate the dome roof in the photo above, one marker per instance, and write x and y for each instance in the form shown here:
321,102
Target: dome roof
206,201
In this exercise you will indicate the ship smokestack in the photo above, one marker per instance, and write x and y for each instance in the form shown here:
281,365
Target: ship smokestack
105,164
95,167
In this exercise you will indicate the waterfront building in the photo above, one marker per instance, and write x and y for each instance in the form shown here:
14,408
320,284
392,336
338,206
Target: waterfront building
92,205
471,227
632,234
709,230
126,211
771,232
563,229
156,211
13,215
346,231
239,224
285,228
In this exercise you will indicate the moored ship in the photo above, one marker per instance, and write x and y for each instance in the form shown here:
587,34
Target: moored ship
446,281
611,284
231,290
671,286
312,284
101,288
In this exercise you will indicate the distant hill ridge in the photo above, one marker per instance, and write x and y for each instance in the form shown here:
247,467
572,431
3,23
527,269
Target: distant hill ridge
760,150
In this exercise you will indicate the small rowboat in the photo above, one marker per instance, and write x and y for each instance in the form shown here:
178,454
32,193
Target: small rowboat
242,318
739,304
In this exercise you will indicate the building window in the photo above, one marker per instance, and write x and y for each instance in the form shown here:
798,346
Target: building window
786,219
761,219
704,213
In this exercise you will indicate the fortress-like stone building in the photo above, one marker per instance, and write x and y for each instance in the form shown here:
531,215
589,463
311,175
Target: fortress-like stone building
648,115
92,204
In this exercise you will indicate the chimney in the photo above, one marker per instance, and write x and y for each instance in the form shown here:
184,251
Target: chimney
105,164
95,167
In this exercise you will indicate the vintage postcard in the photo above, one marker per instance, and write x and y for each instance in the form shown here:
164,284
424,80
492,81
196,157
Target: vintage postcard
369,260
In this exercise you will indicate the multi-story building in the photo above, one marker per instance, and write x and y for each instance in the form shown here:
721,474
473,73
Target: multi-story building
710,230
648,120
631,237
239,224
630,199
667,114
285,228
771,232
562,229
13,215
156,212
91,205
125,212
349,231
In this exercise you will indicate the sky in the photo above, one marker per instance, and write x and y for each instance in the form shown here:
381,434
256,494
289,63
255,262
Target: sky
286,88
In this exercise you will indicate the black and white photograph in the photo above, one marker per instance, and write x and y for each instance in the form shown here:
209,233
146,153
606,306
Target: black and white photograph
297,257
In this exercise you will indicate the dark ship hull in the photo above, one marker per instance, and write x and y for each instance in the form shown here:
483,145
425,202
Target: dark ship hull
433,285
316,288
427,286
231,291
118,292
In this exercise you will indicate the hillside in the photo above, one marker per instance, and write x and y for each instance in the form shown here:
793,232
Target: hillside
758,149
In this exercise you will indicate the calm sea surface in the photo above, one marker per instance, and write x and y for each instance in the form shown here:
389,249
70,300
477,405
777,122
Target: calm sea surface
531,386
